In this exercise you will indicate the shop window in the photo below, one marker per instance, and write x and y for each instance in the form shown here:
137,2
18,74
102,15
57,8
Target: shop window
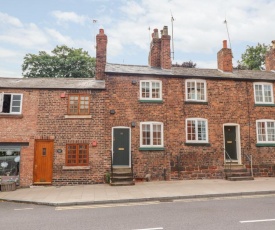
9,163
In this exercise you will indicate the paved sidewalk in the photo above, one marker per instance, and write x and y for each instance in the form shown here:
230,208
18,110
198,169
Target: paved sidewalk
143,191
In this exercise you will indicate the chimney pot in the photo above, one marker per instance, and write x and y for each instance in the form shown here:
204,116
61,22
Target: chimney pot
224,44
156,33
165,30
101,31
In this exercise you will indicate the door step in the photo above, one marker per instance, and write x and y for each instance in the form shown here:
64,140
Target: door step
237,172
122,177
240,178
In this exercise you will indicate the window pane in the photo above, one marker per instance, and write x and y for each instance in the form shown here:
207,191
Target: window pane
191,130
71,155
157,135
83,154
267,93
73,105
270,131
261,131
191,90
201,131
155,90
200,91
258,93
17,97
146,134
145,90
16,103
84,105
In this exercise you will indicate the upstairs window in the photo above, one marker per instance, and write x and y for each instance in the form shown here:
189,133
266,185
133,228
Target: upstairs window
195,90
79,104
11,103
265,131
151,134
151,90
263,93
196,130
77,155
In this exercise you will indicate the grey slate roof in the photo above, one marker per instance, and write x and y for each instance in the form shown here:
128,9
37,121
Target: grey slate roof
189,72
51,83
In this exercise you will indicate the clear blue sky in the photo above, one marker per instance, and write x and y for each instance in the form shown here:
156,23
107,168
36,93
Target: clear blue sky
28,26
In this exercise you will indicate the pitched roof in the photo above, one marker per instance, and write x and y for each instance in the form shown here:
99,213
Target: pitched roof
51,83
189,72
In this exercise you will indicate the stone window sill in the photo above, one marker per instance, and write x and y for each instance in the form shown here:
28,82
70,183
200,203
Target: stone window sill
265,145
151,101
151,149
197,144
78,116
264,105
76,167
196,102
7,115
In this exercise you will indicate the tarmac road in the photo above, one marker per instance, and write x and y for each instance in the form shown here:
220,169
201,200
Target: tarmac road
240,212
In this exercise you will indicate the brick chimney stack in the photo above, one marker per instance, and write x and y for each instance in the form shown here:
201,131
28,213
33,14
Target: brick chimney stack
101,54
155,46
160,52
270,58
165,49
224,57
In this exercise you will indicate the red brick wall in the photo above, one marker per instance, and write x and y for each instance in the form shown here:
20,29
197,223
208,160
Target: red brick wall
229,101
22,129
52,122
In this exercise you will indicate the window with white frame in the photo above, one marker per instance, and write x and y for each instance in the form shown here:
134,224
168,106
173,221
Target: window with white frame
11,103
196,130
263,93
195,90
151,134
265,131
151,90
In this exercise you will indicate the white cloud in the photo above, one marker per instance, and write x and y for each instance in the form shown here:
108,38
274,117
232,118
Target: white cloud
27,36
198,25
7,19
69,17
59,38
6,53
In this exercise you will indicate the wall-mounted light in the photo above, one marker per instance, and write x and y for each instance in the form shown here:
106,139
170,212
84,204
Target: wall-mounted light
134,82
112,111
133,124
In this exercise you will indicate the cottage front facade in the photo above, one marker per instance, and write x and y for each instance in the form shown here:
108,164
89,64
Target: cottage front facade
158,121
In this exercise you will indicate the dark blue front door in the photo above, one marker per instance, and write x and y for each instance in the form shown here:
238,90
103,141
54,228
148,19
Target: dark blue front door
121,146
230,142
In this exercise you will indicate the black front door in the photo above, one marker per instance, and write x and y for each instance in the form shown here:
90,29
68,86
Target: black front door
121,146
230,142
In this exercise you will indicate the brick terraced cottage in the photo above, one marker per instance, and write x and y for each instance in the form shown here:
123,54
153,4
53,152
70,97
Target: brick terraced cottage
188,123
51,131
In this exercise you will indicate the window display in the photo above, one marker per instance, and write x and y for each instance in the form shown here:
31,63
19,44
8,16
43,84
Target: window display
9,163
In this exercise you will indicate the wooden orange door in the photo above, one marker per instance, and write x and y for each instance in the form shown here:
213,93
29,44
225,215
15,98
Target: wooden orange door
43,162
